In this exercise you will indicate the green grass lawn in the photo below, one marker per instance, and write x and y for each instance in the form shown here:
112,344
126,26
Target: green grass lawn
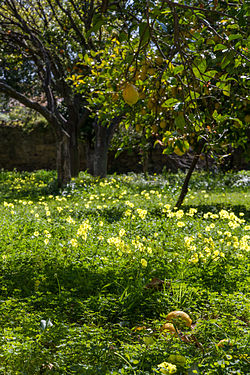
88,275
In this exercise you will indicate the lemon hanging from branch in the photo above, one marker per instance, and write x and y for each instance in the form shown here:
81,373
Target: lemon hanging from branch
130,94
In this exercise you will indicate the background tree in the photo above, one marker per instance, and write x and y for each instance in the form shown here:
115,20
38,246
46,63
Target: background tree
42,43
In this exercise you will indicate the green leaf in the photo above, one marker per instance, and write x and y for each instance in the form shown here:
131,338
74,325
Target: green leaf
199,67
227,59
202,65
236,120
178,69
196,73
234,36
219,47
210,74
226,90
170,103
193,95
87,59
180,121
144,33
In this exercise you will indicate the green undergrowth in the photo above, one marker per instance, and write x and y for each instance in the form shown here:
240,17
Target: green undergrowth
89,274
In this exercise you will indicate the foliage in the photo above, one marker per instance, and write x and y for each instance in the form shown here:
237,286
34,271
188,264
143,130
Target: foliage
79,270
188,63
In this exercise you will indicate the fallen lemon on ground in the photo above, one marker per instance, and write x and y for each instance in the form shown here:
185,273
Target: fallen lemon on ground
179,317
169,328
130,94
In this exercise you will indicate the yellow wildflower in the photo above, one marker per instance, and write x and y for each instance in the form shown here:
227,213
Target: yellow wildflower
144,263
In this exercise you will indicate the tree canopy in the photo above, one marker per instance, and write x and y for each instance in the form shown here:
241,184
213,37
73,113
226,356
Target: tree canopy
175,71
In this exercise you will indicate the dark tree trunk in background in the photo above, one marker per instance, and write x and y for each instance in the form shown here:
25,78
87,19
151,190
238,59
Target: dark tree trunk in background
184,189
63,162
100,162
74,150
103,137
89,155
145,162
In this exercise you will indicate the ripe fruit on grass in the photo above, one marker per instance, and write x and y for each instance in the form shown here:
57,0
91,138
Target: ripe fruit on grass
130,94
179,318
169,328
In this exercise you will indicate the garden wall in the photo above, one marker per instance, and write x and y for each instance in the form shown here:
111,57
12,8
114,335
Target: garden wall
36,150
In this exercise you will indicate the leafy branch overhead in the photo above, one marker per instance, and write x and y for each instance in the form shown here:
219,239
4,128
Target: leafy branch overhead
188,64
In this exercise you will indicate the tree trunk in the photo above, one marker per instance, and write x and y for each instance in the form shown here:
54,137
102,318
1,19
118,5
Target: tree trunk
145,164
103,136
184,189
63,159
100,162
74,150
89,155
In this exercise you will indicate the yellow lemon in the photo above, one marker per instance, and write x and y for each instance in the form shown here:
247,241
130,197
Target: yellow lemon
130,94
169,328
179,316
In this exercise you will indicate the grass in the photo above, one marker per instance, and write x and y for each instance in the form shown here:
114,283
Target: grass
88,275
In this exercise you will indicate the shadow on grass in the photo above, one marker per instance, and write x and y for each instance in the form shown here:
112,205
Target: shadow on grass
77,293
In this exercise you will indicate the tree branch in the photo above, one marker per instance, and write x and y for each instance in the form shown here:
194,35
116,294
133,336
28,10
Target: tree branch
184,6
6,89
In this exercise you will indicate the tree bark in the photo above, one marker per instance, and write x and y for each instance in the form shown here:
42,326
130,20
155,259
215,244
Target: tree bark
103,136
89,155
74,150
63,163
100,162
184,189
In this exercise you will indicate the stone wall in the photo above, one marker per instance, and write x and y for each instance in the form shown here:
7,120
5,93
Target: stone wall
26,151
36,150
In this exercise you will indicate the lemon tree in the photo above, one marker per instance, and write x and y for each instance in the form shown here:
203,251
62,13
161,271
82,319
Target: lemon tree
185,66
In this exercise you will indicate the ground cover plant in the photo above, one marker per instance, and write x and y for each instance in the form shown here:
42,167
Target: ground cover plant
88,275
